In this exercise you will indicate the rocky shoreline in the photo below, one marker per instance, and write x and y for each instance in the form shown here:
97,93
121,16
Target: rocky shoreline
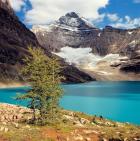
13,113
75,127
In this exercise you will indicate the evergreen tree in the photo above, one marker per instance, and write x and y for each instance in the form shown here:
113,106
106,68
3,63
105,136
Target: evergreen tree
43,74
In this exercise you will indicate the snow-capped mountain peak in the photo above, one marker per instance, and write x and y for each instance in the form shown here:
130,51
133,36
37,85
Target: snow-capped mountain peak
73,19
72,22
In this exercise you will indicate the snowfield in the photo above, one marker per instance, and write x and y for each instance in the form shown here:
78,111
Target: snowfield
83,57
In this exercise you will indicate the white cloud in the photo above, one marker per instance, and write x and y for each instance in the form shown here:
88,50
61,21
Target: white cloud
17,4
44,11
136,1
127,23
112,17
99,19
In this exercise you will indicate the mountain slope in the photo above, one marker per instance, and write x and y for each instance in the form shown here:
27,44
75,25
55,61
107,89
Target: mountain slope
14,40
70,30
74,31
14,36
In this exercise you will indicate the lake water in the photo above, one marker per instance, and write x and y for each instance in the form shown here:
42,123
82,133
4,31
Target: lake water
119,101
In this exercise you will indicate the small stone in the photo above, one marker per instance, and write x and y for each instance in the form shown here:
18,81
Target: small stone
125,139
16,125
6,129
68,139
2,128
88,139
4,123
84,121
105,139
79,137
137,139
27,126
78,124
90,132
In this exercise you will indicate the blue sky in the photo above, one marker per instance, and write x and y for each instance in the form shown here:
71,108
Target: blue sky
117,13
122,8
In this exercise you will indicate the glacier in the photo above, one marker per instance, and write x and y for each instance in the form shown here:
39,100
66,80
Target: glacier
83,57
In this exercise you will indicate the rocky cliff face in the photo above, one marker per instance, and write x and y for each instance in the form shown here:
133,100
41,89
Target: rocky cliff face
76,32
133,51
14,36
14,40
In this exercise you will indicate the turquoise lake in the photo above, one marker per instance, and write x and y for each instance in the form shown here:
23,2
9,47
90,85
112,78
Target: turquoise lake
119,101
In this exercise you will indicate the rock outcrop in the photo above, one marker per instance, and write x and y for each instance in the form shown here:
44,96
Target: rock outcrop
133,52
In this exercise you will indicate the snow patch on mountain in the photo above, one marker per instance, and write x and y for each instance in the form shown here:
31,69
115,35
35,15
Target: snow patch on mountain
83,57
134,43
129,32
99,34
71,22
42,28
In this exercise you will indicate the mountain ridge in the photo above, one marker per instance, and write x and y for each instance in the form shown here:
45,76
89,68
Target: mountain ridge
15,38
67,28
109,40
